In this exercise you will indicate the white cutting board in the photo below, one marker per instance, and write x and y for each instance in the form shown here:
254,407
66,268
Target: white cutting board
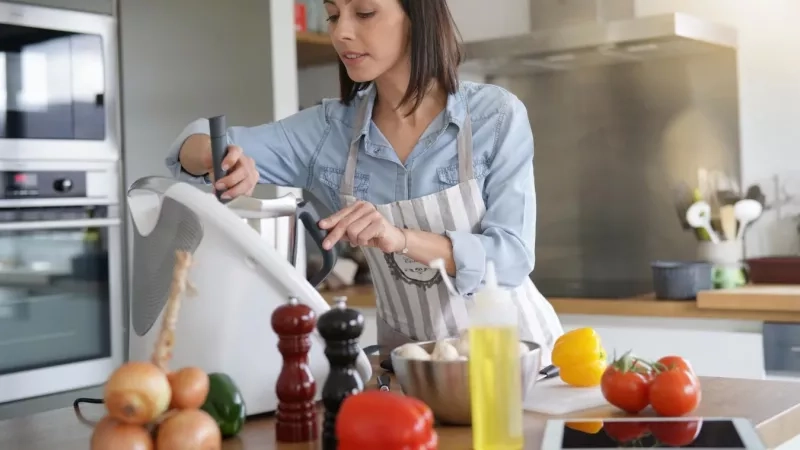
553,397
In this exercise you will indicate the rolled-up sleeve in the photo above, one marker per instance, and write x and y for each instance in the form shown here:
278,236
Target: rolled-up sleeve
508,228
199,126
281,150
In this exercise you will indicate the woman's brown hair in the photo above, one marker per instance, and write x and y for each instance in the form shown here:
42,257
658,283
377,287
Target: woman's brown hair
436,53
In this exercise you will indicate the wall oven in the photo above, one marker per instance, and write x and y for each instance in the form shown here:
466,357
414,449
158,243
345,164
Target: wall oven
58,84
61,268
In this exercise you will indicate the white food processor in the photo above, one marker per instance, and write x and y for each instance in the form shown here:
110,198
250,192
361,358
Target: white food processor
239,278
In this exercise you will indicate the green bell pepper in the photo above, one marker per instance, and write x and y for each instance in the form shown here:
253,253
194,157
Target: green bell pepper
225,404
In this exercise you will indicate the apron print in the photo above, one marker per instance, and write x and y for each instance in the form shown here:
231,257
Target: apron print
412,272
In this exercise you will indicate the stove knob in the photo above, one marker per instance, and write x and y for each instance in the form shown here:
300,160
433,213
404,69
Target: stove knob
63,185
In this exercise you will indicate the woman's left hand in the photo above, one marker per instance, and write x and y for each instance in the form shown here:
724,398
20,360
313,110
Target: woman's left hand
362,224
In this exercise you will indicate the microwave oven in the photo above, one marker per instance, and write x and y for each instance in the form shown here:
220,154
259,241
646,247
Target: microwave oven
58,84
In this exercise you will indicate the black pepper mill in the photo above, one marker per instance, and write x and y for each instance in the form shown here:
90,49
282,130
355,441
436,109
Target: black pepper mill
340,327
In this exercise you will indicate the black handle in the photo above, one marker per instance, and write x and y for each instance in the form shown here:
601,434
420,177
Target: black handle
384,382
309,217
219,148
550,371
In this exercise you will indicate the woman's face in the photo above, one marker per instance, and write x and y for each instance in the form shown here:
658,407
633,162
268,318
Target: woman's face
370,36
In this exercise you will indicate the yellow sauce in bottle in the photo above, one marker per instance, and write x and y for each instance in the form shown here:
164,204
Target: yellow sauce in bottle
495,388
495,374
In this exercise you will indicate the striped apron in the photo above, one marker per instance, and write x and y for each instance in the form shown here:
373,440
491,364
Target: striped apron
412,300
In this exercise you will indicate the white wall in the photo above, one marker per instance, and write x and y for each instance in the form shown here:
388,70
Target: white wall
769,92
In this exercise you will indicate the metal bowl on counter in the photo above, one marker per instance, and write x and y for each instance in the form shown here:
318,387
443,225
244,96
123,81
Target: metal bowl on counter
444,385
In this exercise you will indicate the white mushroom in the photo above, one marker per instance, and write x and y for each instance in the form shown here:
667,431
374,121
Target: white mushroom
412,351
462,344
445,351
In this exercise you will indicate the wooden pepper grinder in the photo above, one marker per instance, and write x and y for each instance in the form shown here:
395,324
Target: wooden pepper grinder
340,327
296,388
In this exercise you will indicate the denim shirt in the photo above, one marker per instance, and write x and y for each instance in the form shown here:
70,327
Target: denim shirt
309,150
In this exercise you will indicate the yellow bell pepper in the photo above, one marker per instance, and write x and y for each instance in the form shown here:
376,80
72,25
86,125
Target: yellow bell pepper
580,357
588,427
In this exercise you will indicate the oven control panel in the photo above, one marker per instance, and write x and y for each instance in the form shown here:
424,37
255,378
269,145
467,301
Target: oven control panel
42,184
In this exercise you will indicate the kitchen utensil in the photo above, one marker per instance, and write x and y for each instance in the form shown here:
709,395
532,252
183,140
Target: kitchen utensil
444,385
683,199
727,220
554,398
727,197
746,211
754,193
219,148
239,280
680,280
548,372
774,270
383,382
699,216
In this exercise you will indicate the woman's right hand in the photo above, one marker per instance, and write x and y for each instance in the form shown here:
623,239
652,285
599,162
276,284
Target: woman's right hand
242,175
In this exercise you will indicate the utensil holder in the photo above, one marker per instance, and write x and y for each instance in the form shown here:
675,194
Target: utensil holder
680,280
727,260
722,254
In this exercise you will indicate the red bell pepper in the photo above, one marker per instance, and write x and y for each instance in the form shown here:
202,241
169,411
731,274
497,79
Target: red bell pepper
386,421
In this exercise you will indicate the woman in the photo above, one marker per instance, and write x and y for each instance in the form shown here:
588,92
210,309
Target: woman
417,165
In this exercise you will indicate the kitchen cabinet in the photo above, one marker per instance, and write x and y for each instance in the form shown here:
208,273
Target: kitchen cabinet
92,6
713,350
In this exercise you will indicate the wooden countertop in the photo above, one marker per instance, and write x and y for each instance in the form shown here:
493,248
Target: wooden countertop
772,406
363,296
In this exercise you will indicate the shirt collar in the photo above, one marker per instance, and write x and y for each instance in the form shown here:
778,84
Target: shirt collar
455,110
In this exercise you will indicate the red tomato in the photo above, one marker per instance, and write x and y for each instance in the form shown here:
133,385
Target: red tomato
625,432
676,362
677,434
627,390
675,392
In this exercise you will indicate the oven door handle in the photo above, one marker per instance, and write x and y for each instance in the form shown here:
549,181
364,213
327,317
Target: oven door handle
59,224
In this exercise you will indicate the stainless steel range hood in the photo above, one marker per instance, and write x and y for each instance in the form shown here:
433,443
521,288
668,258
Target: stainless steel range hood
570,34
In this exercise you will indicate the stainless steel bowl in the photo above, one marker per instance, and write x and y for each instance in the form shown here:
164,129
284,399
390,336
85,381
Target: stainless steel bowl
444,385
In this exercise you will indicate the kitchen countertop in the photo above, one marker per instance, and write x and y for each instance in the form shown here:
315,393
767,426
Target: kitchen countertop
772,406
363,296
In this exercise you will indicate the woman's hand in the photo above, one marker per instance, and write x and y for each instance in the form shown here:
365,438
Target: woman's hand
242,175
362,224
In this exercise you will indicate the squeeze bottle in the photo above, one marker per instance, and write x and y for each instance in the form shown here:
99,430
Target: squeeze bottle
495,375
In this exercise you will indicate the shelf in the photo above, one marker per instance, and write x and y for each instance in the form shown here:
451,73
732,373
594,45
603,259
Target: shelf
314,49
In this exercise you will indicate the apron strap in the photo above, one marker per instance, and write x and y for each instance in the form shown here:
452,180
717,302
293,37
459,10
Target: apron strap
465,170
347,185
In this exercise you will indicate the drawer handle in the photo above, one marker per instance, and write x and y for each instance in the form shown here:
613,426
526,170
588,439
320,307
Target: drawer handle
795,349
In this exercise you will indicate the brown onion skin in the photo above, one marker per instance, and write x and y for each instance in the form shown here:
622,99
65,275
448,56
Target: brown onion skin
189,429
190,387
110,434
137,393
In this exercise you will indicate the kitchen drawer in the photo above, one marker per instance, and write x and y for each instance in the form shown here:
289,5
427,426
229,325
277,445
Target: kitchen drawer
781,347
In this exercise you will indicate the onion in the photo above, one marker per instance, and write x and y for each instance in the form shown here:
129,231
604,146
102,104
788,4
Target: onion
189,429
110,434
137,393
189,388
